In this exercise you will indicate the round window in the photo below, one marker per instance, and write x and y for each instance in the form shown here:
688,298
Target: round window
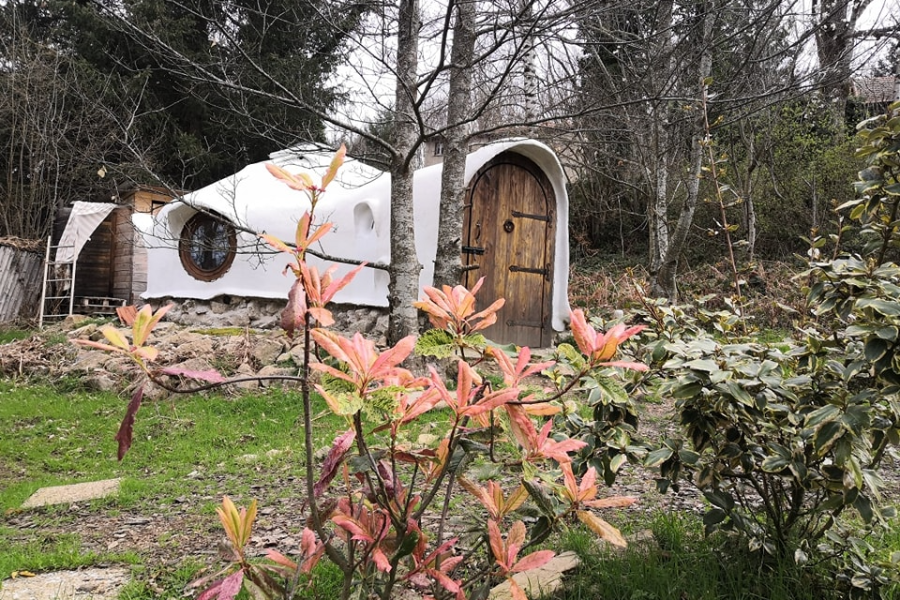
207,246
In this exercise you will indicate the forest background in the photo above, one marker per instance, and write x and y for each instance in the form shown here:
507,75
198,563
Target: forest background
679,123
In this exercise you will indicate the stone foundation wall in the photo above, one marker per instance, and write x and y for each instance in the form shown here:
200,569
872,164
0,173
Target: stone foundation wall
263,313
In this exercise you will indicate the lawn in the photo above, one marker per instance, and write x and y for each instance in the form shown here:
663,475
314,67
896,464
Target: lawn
191,450
187,453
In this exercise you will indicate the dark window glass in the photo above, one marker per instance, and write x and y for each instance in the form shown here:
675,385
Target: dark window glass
207,246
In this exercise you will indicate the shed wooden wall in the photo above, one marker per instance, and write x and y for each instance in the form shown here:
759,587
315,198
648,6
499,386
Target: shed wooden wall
146,199
20,283
93,270
122,254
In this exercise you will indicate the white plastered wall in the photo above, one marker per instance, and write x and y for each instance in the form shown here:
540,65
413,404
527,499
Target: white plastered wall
357,203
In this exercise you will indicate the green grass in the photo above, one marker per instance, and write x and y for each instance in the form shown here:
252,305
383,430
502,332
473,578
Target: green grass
11,335
54,438
678,562
224,331
166,582
45,552
187,452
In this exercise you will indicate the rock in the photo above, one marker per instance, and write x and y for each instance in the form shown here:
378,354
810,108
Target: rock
68,494
218,308
75,321
120,365
266,322
183,338
94,583
245,370
297,354
194,364
90,360
100,382
272,370
427,439
155,392
84,332
197,348
540,582
266,351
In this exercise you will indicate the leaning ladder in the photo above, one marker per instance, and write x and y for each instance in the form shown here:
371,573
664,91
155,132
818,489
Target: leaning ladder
58,280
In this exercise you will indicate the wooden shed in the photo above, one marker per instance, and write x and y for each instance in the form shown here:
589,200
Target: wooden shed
108,253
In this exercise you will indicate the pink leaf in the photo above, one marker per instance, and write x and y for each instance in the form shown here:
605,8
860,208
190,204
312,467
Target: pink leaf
279,558
381,560
226,589
125,432
276,243
627,364
394,356
322,315
337,286
451,585
334,459
296,182
98,345
294,314
212,376
614,502
496,541
533,561
353,526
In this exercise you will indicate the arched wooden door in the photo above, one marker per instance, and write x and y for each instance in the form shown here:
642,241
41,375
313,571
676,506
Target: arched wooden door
508,235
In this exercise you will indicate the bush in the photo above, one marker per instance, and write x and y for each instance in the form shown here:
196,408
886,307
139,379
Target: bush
783,440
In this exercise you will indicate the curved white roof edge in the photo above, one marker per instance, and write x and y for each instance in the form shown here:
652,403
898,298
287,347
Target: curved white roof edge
358,205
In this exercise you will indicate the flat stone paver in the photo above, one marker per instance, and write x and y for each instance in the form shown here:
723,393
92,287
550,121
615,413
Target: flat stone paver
539,582
78,492
87,584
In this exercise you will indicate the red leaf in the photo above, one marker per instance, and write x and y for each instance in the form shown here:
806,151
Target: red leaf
294,314
125,432
381,560
225,589
449,584
533,561
279,558
497,545
212,376
335,457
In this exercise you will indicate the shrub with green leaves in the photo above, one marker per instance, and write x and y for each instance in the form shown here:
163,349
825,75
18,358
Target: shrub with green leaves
785,441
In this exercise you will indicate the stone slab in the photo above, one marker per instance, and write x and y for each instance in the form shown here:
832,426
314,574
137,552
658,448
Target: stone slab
78,492
537,583
86,584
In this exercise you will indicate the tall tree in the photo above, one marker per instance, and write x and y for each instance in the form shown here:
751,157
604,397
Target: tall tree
57,130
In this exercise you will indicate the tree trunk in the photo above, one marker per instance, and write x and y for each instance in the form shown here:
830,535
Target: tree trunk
665,281
447,264
835,25
404,281
660,114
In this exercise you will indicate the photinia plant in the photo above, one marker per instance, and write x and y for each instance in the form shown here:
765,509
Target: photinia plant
275,577
379,503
